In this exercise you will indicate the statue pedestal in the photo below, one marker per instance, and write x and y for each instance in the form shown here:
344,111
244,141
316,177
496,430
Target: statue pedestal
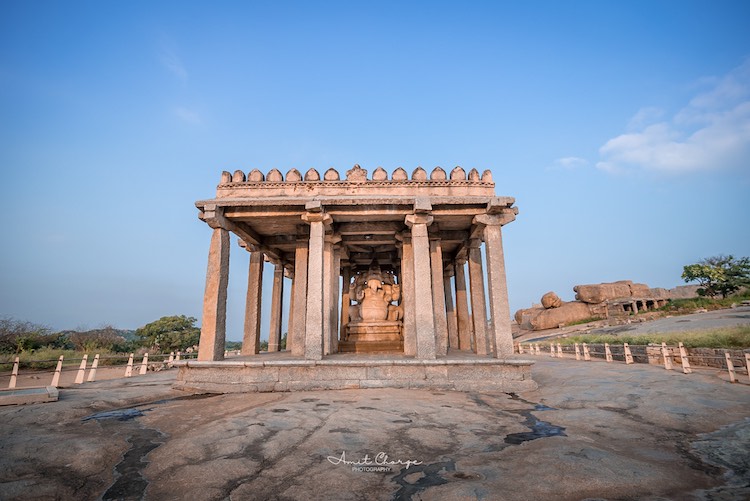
373,337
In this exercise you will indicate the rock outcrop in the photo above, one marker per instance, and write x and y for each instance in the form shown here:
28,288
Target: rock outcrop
551,300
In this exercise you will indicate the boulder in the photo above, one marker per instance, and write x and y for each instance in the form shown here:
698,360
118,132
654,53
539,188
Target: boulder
567,313
639,290
524,316
598,293
551,300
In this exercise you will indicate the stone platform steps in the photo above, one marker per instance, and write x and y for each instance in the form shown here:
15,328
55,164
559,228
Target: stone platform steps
344,371
384,347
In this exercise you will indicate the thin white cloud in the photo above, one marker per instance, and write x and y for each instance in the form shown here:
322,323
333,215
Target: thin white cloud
187,116
712,132
569,163
171,61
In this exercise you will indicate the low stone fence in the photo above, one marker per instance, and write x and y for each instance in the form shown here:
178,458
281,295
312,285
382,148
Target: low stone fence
732,361
84,370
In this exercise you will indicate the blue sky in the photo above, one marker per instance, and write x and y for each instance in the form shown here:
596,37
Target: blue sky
622,129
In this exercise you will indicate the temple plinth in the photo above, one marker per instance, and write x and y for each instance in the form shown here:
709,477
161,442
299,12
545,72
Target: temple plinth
377,265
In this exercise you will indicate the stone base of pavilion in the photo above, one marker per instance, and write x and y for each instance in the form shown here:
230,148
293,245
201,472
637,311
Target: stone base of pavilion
275,372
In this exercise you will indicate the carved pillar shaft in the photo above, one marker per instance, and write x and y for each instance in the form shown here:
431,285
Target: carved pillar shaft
478,302
408,298
300,298
425,317
335,279
465,327
346,301
314,324
277,294
290,322
438,298
450,313
251,336
213,329
498,289
327,292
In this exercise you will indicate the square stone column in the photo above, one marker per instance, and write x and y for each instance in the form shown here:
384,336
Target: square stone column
501,335
450,311
478,303
300,297
346,300
408,296
464,321
290,322
425,317
327,292
251,336
335,298
314,325
438,297
277,295
213,328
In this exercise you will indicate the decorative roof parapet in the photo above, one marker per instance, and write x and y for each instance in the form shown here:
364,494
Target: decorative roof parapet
354,175
438,183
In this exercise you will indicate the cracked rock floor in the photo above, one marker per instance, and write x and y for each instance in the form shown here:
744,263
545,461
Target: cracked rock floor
591,431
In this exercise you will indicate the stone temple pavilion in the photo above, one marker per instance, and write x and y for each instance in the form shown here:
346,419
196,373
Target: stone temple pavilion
378,268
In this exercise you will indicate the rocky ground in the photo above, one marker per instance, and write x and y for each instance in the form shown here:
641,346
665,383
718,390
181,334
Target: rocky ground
591,431
645,324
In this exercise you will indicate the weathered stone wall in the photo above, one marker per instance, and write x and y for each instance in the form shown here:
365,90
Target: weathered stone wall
254,377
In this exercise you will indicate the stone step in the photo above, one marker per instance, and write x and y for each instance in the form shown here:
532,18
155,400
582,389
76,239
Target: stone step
371,347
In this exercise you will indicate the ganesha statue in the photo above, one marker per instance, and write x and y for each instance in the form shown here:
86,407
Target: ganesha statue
375,291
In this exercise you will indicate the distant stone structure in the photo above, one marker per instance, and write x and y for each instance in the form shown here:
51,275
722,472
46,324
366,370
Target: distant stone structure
377,265
598,301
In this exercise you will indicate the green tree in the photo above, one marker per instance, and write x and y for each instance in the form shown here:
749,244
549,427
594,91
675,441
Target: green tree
719,275
170,333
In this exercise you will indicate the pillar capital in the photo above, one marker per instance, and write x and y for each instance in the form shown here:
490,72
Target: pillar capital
248,247
332,238
502,218
317,217
475,243
213,215
413,219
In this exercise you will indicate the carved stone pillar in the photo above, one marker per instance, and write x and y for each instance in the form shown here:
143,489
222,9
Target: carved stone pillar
213,329
251,336
300,297
425,318
497,286
438,297
346,301
277,294
314,324
290,322
465,324
478,303
450,311
408,296
335,290
330,295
